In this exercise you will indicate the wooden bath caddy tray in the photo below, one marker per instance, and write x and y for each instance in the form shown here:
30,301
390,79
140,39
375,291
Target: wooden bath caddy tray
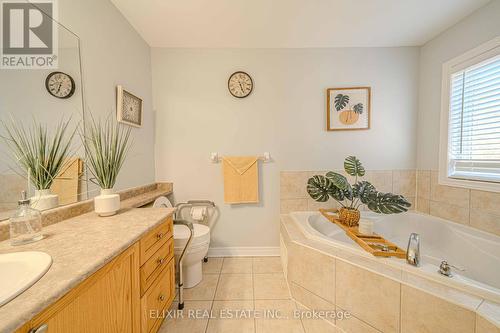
375,244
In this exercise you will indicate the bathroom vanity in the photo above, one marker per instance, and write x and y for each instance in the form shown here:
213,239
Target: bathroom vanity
114,274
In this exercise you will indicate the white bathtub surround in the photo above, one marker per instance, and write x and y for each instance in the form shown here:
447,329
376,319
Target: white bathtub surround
389,305
44,199
107,203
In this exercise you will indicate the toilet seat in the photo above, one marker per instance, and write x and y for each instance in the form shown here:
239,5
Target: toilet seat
201,236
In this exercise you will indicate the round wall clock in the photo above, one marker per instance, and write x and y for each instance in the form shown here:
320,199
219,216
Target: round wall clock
240,84
60,85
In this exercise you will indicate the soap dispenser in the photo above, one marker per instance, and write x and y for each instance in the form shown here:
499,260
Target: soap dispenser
26,224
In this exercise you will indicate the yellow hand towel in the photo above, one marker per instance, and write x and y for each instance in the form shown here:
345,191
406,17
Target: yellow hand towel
241,179
67,183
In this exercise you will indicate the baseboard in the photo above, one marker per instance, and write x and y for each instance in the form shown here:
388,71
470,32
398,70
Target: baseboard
243,251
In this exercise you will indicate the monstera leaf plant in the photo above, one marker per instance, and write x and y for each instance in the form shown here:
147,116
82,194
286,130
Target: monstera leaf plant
352,197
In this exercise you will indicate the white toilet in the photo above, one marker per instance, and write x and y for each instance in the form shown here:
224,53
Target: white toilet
198,248
191,265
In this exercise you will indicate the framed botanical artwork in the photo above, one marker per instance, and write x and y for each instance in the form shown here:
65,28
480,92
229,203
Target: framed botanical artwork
128,107
348,108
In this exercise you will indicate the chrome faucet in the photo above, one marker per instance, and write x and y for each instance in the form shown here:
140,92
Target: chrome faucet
445,269
413,250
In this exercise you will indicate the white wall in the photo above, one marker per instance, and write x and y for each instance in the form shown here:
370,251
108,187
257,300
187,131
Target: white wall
285,115
113,53
479,27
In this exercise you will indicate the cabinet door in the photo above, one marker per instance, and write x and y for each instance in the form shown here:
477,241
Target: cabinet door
107,302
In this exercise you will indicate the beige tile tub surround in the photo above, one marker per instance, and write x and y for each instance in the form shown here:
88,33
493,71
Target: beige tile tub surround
380,300
368,296
130,198
293,187
478,209
312,270
425,313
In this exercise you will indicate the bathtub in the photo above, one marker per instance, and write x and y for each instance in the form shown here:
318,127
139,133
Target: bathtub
475,252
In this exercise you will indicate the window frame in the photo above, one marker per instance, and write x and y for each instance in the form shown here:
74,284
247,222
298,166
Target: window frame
470,58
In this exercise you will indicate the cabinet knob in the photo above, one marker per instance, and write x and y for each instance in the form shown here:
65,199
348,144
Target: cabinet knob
160,261
160,235
161,297
40,329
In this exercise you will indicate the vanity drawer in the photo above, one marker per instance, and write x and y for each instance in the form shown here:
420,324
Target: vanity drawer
150,243
158,298
153,267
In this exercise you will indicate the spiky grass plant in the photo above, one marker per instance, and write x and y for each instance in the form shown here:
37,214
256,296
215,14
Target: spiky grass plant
40,153
106,146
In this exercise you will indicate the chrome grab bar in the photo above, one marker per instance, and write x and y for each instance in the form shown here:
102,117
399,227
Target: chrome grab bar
189,225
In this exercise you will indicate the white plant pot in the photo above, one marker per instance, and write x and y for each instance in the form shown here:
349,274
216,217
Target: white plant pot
108,203
44,199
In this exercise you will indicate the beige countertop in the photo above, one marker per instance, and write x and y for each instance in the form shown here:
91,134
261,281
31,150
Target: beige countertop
79,247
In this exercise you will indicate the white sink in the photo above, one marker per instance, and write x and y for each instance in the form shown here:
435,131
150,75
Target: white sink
19,271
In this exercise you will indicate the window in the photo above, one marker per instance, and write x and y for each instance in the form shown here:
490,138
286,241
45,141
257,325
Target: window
471,113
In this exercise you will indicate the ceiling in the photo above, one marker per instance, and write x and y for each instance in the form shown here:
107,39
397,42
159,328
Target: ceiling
292,23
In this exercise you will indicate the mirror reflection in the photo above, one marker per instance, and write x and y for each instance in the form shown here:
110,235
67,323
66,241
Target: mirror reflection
41,113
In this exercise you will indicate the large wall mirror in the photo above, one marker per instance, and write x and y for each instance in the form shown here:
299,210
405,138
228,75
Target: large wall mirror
40,96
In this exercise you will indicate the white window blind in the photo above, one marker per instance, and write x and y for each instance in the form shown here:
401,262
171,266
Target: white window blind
474,123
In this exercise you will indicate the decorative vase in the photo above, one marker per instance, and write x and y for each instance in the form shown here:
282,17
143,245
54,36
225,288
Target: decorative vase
349,216
108,203
44,199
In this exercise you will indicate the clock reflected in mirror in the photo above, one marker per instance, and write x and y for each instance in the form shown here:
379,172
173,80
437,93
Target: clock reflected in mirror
60,85
240,84
128,107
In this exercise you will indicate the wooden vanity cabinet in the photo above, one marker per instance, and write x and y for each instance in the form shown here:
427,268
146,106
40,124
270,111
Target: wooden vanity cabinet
121,296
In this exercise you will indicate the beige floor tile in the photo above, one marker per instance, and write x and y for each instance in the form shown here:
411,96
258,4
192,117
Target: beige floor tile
187,323
314,324
232,316
267,265
270,286
237,265
234,287
277,316
213,266
351,324
204,291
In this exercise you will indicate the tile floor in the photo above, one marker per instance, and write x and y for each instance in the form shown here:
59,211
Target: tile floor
237,295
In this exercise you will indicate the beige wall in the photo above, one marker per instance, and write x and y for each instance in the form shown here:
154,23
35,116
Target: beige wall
284,115
478,28
113,53
475,208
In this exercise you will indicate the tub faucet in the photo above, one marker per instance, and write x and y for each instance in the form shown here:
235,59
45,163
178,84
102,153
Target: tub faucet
413,250
445,269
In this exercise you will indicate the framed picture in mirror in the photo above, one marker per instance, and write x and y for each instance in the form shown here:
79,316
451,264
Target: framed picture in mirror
128,107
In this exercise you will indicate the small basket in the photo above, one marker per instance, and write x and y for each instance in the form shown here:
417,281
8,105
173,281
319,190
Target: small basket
349,217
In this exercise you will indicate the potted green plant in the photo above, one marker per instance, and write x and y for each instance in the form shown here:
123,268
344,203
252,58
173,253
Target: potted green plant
41,155
106,146
351,197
